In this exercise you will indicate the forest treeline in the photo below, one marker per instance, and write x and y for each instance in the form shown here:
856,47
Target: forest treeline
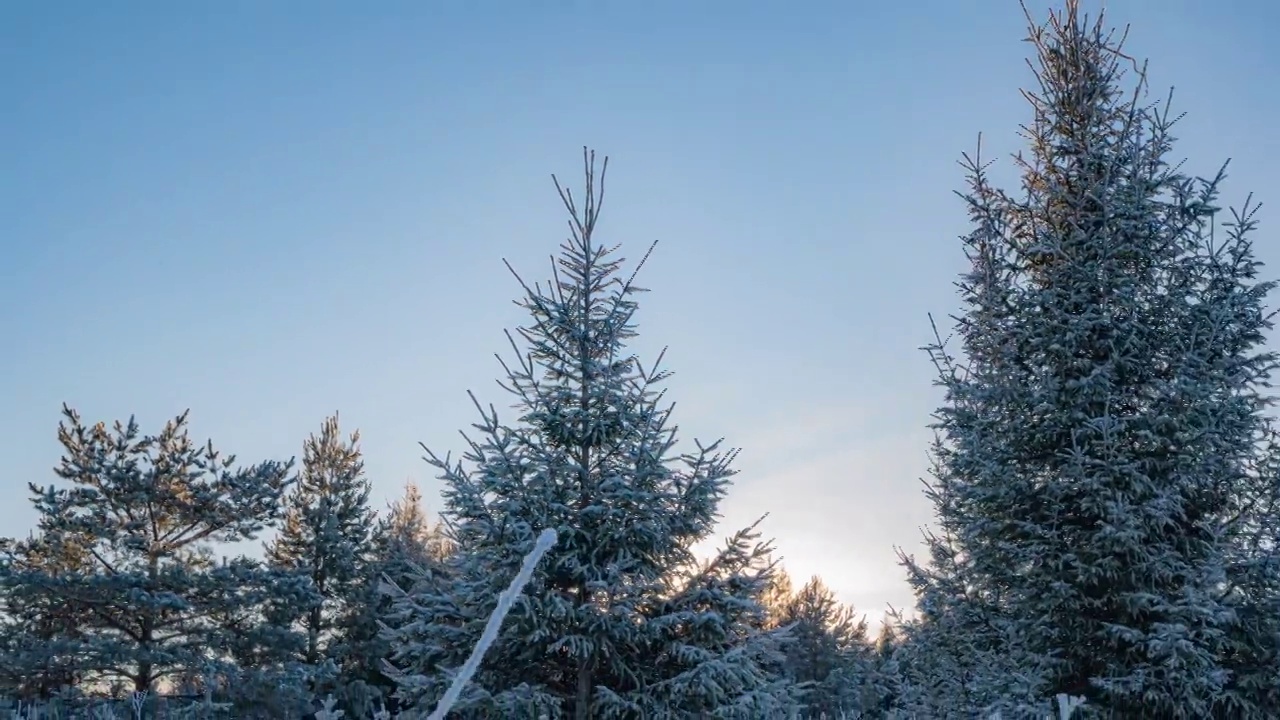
1105,476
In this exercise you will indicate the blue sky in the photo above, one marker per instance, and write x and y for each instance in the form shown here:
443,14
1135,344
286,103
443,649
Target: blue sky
268,211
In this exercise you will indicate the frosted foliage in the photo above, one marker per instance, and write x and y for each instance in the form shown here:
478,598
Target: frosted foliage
591,455
403,546
825,652
1096,471
126,547
327,524
546,539
324,544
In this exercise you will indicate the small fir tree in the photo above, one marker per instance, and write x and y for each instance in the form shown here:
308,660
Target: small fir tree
325,535
619,619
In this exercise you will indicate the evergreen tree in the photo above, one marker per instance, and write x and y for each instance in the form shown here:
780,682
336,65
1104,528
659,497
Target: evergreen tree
619,620
827,652
962,654
39,632
405,541
1253,585
1100,428
327,524
777,596
886,671
144,511
406,551
257,663
713,610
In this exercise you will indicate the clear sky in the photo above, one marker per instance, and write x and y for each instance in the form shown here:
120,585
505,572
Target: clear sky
266,211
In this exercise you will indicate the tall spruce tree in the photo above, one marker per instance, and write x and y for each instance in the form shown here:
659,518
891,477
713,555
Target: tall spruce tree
620,620
143,512
1099,434
326,530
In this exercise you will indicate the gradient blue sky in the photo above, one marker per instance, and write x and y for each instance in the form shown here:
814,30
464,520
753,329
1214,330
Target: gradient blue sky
267,211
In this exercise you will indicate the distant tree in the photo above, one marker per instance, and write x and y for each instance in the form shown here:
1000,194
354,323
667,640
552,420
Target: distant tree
620,619
144,511
1099,436
776,596
405,541
827,652
406,550
324,538
886,671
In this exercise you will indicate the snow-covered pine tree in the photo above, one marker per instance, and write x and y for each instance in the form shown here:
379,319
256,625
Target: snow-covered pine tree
777,594
405,540
39,632
1101,420
710,610
324,538
827,652
406,549
619,619
1253,585
962,654
886,675
146,510
256,664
